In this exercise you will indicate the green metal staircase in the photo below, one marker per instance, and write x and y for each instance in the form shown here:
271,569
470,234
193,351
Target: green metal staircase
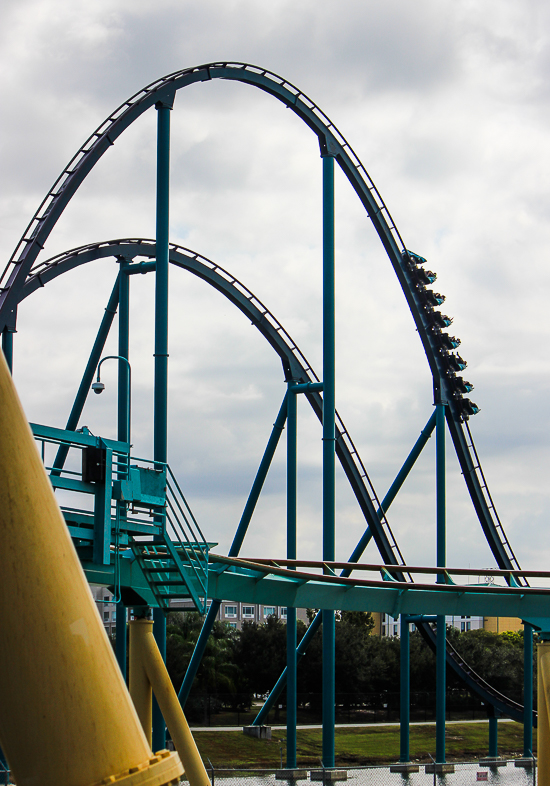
175,561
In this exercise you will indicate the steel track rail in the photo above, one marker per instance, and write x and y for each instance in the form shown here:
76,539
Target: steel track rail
20,265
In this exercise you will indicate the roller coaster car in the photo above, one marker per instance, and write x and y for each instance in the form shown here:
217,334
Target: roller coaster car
467,408
445,340
439,320
428,297
454,362
423,276
459,385
414,259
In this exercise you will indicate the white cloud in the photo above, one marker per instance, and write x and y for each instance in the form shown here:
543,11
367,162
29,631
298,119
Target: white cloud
448,107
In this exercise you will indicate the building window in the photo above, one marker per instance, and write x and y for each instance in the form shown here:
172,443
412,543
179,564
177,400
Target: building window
114,616
283,612
230,611
269,611
106,597
248,612
232,624
106,616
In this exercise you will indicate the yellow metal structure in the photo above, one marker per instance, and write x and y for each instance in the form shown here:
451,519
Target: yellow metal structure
543,706
67,718
147,674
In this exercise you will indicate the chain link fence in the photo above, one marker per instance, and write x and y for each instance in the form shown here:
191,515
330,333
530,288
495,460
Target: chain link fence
501,772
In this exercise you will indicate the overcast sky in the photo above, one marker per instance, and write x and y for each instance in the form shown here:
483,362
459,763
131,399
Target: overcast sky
447,104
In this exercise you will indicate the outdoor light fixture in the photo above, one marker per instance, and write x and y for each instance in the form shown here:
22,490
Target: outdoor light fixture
98,386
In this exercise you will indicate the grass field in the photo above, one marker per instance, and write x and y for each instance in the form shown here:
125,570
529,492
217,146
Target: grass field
357,746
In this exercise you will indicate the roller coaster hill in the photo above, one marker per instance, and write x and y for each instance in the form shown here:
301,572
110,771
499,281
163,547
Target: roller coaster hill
135,532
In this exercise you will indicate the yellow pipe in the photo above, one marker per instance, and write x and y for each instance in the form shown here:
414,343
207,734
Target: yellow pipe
66,717
141,637
140,686
543,708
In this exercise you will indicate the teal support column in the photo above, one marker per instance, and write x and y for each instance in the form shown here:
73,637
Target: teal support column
441,665
329,435
405,691
493,734
355,556
440,486
124,426
124,352
249,508
160,449
121,632
527,690
440,689
409,463
88,376
291,507
7,346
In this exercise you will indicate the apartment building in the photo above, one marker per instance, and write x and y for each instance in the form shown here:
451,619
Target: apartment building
385,625
106,607
231,612
235,613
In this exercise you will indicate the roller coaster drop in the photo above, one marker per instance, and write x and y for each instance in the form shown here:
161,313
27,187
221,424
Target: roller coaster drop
147,563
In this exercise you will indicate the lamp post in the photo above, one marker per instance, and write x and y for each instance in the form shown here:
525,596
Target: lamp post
123,434
98,387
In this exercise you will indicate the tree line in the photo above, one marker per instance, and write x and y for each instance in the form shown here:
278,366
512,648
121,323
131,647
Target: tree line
240,665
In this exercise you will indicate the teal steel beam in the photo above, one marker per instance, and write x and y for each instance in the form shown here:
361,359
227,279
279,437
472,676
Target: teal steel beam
265,584
124,426
259,480
329,443
102,515
123,434
395,487
251,502
409,463
404,690
291,508
160,448
88,376
440,690
281,682
441,557
493,734
441,651
355,557
84,439
527,690
121,620
7,346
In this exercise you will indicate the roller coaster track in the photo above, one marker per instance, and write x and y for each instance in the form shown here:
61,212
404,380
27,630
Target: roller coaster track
294,361
22,267
332,142
296,364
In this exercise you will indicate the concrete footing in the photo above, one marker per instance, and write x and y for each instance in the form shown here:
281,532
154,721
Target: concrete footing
404,766
439,769
329,776
492,761
259,732
525,763
291,775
